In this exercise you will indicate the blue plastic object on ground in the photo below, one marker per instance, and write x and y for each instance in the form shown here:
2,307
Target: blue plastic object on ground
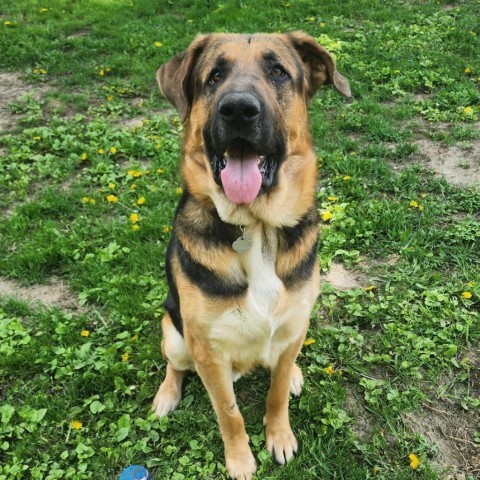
135,472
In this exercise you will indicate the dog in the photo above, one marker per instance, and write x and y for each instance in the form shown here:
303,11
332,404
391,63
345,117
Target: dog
241,264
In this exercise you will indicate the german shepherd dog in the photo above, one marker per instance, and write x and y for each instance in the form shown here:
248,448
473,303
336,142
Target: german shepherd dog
242,261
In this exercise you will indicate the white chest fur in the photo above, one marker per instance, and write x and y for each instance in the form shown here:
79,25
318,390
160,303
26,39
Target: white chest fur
247,333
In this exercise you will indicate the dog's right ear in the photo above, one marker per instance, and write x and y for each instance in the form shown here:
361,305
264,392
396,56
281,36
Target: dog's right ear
173,77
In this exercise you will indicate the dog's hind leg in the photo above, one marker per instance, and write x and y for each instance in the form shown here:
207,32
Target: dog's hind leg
170,392
179,362
296,381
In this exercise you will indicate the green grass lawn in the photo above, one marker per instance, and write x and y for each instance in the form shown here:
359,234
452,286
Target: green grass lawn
88,185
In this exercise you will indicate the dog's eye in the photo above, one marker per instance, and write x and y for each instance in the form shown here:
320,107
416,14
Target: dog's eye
214,77
278,72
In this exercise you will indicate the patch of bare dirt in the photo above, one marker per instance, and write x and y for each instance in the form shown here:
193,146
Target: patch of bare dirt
79,34
132,122
460,167
343,279
363,422
12,88
446,427
53,294
452,433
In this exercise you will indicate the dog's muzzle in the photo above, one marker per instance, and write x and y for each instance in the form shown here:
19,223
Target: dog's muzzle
243,146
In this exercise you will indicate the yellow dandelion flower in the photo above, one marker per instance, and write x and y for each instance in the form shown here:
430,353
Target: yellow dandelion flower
76,425
85,333
326,216
125,357
137,173
369,288
43,71
101,151
37,138
468,70
347,177
101,73
111,186
135,227
133,186
134,218
179,190
109,98
131,173
468,110
158,44
467,295
413,204
309,341
113,150
160,170
167,229
141,201
84,156
329,370
112,199
414,461
332,199
43,10
7,23
85,199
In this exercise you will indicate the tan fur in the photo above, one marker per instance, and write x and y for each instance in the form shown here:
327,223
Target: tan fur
266,325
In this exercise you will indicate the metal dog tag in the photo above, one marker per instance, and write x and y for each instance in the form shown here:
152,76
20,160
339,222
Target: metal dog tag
242,244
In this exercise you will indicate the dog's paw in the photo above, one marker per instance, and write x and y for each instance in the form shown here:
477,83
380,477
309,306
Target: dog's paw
166,400
296,381
241,464
281,443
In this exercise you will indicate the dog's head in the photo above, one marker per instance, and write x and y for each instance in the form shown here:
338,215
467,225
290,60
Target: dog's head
243,100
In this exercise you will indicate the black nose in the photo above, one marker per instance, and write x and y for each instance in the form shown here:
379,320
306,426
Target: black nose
239,108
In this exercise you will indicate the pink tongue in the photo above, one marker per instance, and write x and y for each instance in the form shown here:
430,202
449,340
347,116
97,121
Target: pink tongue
242,179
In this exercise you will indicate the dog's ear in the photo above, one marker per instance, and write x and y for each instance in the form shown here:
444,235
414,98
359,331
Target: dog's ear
320,65
173,77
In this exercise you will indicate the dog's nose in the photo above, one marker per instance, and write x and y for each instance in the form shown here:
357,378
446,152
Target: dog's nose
239,108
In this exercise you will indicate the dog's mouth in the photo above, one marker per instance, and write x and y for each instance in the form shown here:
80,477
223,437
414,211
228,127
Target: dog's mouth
243,171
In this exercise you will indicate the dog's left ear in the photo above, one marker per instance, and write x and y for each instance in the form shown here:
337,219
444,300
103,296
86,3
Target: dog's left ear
173,77
320,64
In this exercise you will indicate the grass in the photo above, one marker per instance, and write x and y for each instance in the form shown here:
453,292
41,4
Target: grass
402,345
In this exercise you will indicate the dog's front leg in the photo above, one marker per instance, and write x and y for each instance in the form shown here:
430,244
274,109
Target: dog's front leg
280,440
217,379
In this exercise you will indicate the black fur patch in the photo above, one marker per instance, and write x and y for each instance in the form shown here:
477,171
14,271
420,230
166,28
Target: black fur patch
301,272
206,280
209,228
290,237
172,302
